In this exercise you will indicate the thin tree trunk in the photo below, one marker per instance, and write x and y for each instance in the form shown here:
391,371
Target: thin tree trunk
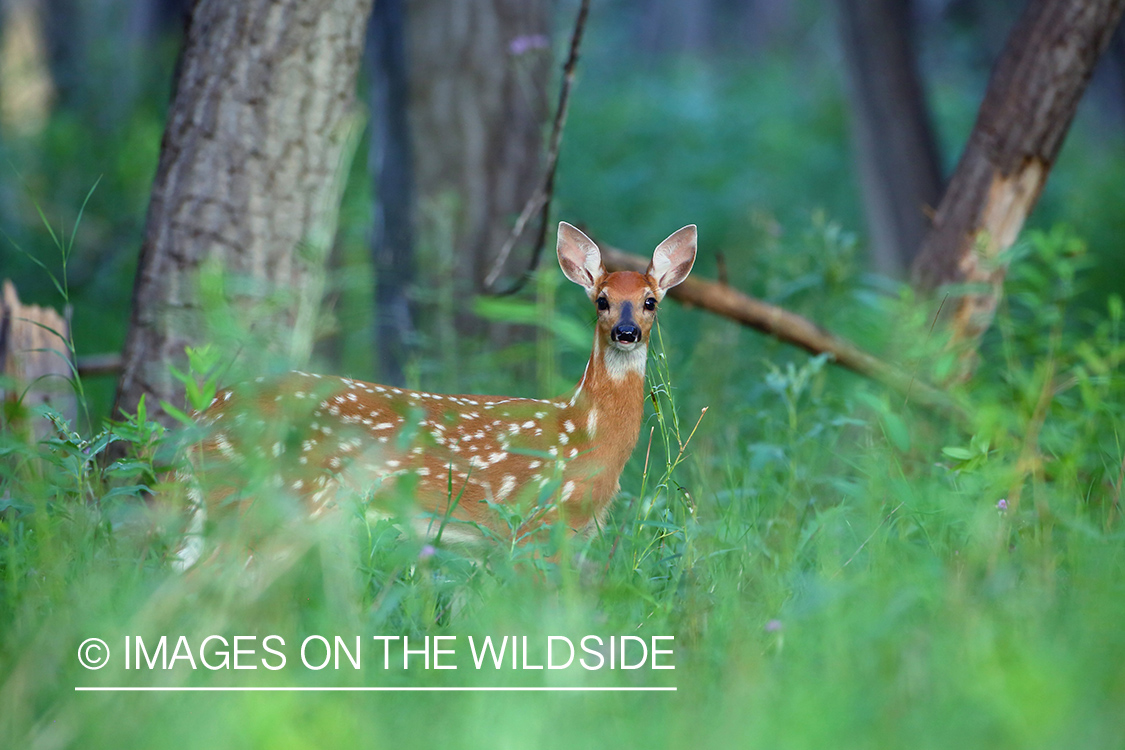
392,167
27,91
479,73
896,152
249,177
1028,107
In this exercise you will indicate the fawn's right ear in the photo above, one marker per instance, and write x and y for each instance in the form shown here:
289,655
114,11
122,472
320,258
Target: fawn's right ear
579,258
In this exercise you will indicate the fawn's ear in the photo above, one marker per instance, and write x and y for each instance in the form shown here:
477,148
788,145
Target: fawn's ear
579,258
673,258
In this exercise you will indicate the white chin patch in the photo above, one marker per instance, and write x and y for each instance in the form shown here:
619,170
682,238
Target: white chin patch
624,359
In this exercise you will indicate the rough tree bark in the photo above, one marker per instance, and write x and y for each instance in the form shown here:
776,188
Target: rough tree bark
897,155
35,357
249,173
1028,107
479,73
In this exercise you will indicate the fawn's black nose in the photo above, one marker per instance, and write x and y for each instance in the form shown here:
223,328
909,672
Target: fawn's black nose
625,333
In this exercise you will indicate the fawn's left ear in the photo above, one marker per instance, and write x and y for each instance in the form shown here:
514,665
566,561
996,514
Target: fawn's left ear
672,259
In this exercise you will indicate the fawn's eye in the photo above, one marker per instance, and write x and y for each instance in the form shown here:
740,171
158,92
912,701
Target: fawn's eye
603,303
650,303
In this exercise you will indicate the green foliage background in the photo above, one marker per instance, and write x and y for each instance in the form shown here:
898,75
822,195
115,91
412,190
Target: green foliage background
839,567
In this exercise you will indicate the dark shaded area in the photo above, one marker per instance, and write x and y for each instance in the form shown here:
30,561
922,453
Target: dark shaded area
392,169
895,149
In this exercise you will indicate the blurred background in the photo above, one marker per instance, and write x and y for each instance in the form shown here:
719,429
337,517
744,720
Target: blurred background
755,120
838,562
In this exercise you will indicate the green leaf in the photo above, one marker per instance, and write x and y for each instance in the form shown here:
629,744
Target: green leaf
178,414
132,490
896,430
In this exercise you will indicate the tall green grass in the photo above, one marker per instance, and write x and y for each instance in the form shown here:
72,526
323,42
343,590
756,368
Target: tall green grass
838,566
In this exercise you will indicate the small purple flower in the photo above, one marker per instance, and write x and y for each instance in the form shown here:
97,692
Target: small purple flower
426,552
773,626
525,43
1002,504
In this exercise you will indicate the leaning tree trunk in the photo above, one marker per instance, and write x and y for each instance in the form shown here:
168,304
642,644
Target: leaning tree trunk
249,177
1027,110
479,74
896,152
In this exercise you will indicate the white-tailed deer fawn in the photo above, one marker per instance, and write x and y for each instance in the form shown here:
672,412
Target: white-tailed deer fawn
460,458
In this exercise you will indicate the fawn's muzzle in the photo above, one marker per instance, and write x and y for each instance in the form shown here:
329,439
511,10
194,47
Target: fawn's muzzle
625,333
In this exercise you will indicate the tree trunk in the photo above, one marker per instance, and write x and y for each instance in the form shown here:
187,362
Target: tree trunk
249,174
1028,107
392,169
479,74
26,89
899,167
35,359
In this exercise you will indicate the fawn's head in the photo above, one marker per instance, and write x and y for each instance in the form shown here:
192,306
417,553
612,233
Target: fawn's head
626,300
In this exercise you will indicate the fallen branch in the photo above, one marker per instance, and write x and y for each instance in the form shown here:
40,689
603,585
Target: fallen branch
94,365
723,300
793,329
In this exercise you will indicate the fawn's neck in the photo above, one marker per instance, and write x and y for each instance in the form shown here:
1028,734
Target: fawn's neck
611,396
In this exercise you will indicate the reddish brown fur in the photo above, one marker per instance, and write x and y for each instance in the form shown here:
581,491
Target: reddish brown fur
460,456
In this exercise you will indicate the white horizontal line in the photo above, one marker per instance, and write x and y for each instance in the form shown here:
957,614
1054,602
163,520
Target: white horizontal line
373,689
